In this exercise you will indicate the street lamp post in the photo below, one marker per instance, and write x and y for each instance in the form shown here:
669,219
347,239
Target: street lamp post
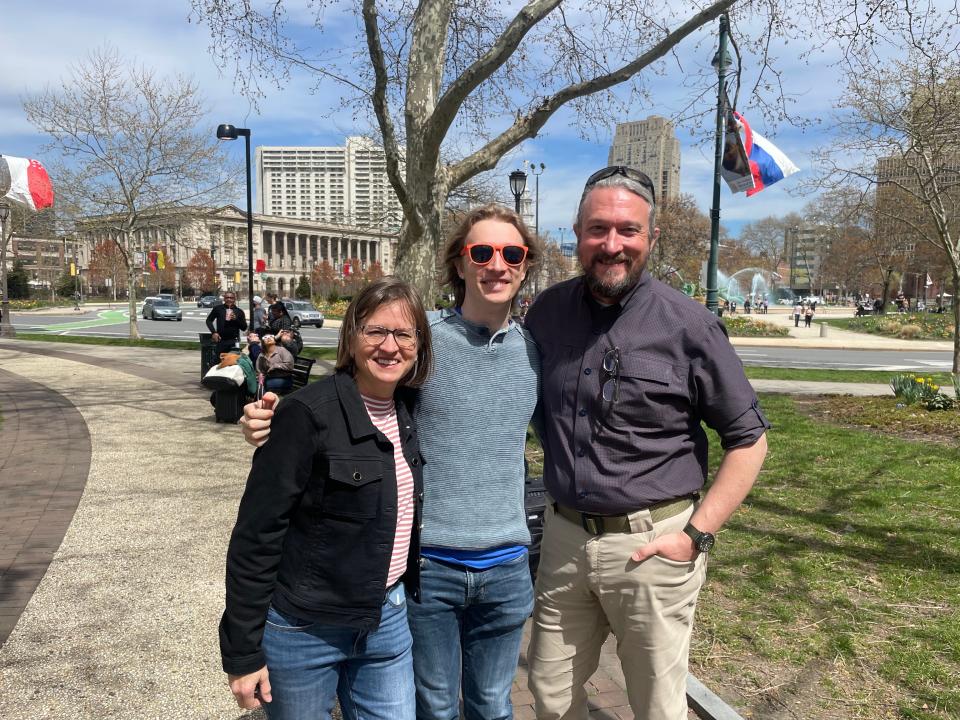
518,183
722,62
229,132
536,195
6,325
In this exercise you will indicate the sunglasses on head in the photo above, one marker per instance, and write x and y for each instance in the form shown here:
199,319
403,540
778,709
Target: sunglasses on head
628,172
482,253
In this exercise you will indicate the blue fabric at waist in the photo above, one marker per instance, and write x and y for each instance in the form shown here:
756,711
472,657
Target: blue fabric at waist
475,559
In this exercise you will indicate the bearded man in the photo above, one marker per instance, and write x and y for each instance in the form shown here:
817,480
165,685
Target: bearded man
630,368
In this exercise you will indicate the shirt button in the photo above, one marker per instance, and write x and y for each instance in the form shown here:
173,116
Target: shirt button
415,462
587,371
583,412
581,452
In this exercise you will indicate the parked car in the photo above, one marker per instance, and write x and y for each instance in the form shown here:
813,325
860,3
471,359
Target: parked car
209,301
158,309
303,313
167,296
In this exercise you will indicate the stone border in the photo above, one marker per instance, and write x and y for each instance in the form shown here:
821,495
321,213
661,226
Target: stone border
44,463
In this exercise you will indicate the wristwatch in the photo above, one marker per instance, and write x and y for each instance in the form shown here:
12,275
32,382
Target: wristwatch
702,541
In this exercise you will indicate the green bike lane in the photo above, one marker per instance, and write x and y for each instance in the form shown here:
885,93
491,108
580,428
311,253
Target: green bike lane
103,318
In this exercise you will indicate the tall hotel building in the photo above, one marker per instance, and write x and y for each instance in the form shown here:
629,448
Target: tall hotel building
652,146
343,185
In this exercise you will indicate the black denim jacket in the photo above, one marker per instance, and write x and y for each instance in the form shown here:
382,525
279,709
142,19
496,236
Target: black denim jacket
317,521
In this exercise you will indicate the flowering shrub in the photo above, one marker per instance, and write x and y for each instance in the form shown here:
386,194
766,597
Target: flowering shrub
913,389
920,326
740,326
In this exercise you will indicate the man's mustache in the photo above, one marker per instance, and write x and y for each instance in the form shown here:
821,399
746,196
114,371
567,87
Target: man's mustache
619,257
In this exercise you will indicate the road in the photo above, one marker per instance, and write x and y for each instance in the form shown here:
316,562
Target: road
113,323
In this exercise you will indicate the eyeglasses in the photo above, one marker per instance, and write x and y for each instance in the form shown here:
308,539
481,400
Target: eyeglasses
482,253
628,172
406,338
610,389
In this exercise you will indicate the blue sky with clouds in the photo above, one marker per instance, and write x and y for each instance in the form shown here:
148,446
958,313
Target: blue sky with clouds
40,42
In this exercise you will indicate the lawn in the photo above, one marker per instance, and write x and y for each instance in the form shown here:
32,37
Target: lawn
833,592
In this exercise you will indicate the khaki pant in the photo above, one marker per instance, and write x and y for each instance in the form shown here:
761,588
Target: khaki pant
587,586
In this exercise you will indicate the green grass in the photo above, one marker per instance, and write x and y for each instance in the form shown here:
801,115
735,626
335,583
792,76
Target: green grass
846,556
756,372
833,590
311,352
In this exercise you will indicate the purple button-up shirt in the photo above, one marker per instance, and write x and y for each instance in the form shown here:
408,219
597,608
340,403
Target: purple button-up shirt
676,370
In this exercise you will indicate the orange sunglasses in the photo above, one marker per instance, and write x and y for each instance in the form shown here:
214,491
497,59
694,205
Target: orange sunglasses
482,253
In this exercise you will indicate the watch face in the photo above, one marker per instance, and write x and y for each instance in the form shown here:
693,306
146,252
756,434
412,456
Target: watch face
705,542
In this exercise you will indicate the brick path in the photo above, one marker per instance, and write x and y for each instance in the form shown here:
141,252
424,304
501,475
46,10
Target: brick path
44,460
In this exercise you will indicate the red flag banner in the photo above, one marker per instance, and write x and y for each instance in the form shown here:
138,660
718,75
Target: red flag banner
261,266
25,182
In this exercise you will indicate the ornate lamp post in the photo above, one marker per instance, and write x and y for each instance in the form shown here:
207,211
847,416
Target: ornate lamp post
229,132
518,183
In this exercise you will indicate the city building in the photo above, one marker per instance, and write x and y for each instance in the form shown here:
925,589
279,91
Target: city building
289,248
345,185
806,248
44,260
651,146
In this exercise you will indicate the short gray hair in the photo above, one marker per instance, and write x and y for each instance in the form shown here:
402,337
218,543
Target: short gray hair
621,181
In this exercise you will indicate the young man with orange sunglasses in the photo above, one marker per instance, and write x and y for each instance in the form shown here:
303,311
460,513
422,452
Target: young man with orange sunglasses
473,413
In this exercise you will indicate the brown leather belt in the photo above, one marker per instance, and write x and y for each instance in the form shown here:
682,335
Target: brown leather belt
600,524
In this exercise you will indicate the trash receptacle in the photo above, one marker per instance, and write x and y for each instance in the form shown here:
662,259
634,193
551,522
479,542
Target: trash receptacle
208,353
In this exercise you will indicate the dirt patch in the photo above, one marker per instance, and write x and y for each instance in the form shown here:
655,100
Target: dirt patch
883,416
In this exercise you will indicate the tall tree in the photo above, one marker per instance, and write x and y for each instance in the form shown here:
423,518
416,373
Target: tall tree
134,151
454,87
766,239
201,272
899,137
684,237
107,263
324,280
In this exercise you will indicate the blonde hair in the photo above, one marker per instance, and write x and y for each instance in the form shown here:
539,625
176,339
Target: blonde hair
452,254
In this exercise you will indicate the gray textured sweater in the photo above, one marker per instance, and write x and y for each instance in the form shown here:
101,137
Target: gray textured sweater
472,415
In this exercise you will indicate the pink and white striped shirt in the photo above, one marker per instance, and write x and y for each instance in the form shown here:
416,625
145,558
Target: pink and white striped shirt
383,415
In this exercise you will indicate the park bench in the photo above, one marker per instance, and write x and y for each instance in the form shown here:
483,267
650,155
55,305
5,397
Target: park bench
301,371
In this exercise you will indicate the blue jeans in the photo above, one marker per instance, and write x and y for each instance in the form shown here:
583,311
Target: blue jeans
278,384
311,664
469,621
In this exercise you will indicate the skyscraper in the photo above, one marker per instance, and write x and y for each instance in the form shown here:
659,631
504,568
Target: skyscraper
652,146
344,185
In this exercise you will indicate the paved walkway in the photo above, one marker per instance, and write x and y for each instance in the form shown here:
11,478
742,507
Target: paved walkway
123,622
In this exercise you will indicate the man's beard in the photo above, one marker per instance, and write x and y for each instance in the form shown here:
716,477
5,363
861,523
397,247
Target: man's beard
609,289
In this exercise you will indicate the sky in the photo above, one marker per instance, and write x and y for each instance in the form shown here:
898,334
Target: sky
41,42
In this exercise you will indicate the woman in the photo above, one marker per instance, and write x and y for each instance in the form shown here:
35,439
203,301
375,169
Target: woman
475,589
328,528
275,363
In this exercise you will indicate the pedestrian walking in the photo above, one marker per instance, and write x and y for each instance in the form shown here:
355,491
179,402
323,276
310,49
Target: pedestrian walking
797,313
808,315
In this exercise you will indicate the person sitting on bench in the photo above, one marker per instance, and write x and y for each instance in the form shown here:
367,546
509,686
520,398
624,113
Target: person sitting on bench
275,363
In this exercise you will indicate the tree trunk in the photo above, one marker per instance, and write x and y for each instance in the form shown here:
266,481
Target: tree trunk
132,303
417,255
956,323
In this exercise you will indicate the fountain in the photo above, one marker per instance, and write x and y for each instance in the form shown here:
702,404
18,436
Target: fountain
750,282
